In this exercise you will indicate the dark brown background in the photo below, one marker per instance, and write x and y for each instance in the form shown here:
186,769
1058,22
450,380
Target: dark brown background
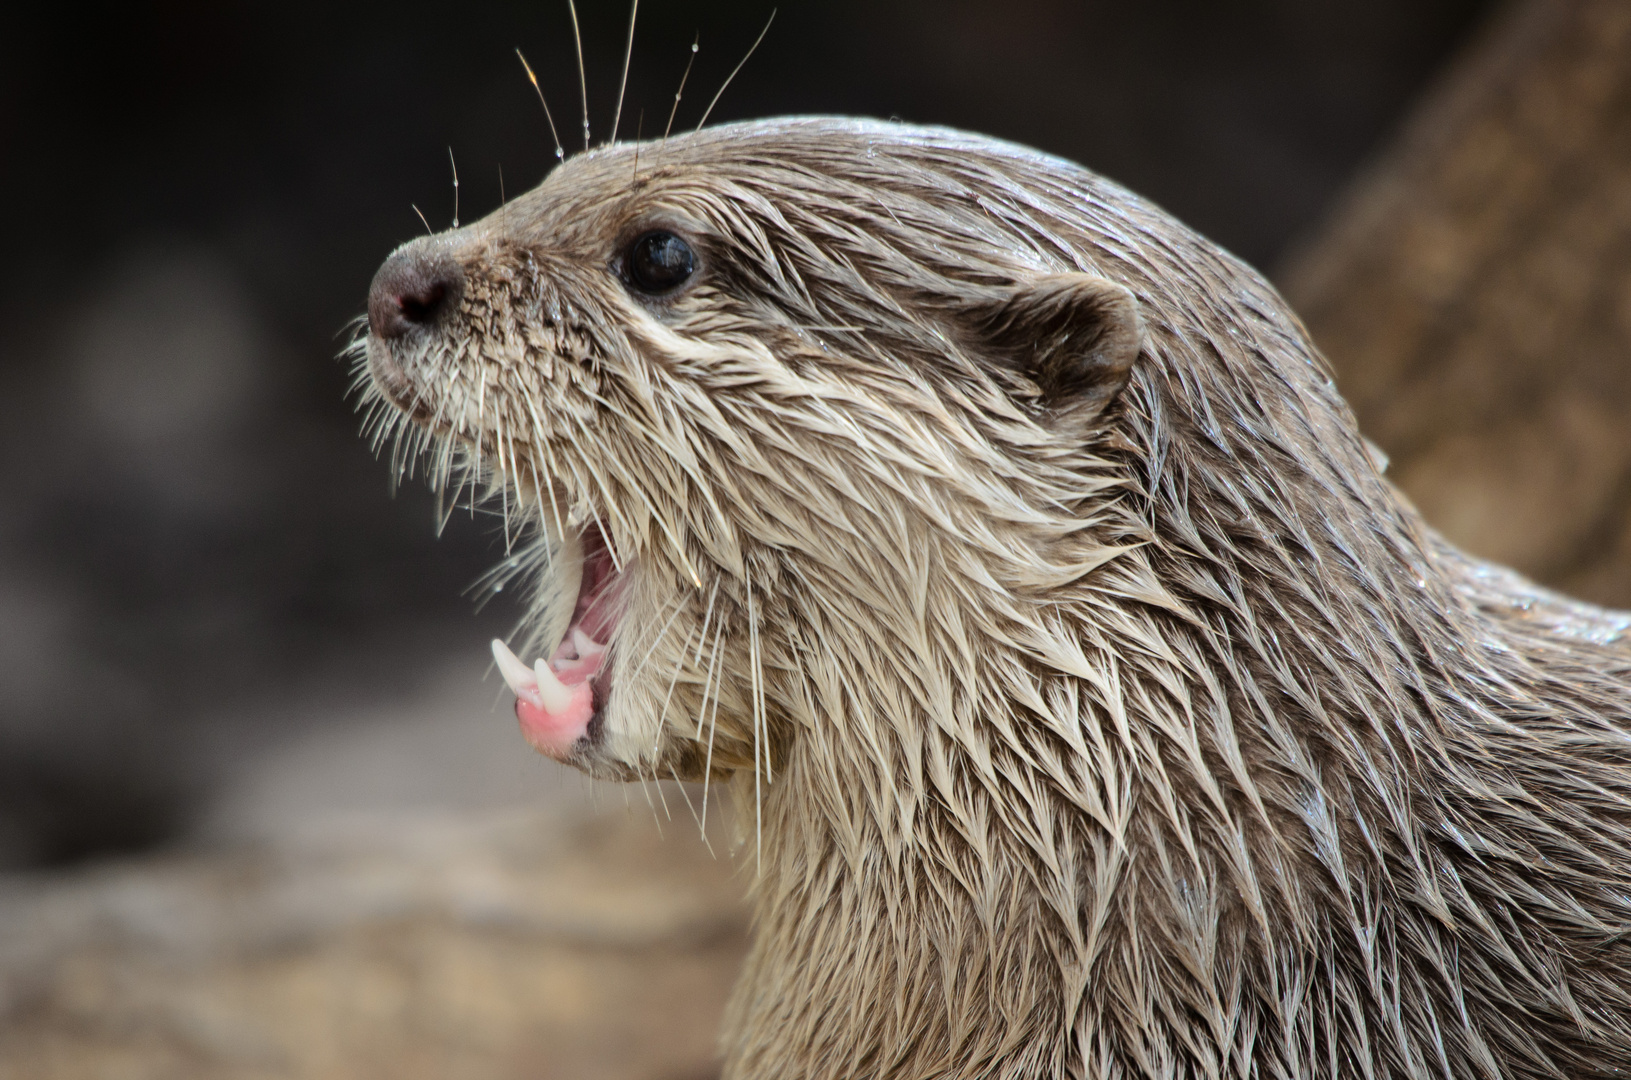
196,196
220,639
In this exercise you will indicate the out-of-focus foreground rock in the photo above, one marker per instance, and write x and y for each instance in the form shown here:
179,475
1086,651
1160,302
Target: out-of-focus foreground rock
405,890
497,945
1473,293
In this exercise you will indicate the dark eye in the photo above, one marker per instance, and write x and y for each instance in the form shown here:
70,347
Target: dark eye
660,261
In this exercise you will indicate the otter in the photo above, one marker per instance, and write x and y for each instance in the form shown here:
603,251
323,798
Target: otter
1094,705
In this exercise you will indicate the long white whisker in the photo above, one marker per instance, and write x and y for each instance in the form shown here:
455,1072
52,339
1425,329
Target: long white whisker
645,790
738,67
513,480
701,641
676,106
641,773
503,477
713,725
399,451
455,165
453,500
481,422
656,782
673,681
708,683
538,429
605,491
754,673
689,805
628,54
560,153
761,709
660,519
611,549
583,82
543,525
658,640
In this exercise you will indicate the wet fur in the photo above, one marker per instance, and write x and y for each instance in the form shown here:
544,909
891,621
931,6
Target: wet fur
1164,741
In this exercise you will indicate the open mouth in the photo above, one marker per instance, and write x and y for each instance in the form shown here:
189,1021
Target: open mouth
558,699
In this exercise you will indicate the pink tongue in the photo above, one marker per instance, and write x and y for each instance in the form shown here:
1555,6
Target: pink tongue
553,733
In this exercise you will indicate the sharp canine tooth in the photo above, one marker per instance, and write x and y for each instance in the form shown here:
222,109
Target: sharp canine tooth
518,675
553,694
588,648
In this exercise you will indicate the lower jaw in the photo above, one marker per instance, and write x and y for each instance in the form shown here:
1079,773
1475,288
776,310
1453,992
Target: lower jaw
565,736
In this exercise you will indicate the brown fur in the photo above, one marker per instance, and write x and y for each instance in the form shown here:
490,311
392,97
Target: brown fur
1088,721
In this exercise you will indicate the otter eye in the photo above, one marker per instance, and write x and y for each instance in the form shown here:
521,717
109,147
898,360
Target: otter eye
659,261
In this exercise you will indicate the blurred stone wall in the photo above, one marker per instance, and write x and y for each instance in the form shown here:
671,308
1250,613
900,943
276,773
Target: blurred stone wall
1473,293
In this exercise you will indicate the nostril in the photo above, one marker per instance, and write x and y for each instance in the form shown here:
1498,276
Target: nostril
421,307
411,290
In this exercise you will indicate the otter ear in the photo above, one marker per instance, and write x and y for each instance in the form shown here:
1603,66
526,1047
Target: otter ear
1073,336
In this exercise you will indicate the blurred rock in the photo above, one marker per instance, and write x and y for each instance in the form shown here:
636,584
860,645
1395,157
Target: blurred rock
386,883
523,944
440,741
1473,292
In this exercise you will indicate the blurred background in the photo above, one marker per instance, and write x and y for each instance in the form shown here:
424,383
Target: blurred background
242,681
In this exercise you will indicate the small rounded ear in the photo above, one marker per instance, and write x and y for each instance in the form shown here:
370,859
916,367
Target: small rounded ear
1074,336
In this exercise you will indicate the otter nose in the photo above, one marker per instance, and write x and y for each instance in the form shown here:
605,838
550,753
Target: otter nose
412,289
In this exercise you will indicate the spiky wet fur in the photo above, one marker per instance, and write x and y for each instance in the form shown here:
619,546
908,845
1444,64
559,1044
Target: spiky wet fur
1180,748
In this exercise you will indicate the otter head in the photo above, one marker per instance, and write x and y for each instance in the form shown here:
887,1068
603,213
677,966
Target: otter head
810,417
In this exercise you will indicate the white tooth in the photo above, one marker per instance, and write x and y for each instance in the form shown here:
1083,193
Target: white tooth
558,592
588,648
518,675
552,693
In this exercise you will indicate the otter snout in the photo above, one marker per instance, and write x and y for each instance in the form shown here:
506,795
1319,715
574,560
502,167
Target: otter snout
412,290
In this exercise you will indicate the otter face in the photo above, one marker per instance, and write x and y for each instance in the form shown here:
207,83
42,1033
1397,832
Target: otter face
774,399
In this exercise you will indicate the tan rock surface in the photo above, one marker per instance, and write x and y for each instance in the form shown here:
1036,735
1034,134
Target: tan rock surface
492,945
